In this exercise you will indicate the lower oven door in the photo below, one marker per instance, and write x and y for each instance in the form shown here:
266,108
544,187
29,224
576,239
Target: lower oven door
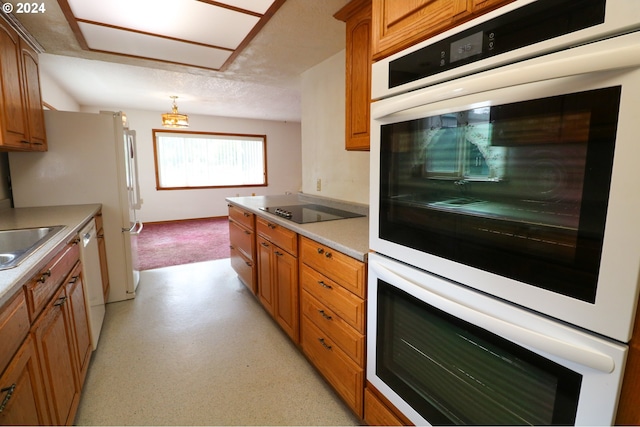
445,354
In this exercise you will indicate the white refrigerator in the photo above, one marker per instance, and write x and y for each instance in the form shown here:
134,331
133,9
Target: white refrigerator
91,158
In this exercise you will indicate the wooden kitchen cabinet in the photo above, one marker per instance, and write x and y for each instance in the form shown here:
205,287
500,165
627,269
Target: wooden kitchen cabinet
46,321
333,320
102,253
53,333
21,115
242,246
357,16
21,389
378,412
400,24
74,291
278,275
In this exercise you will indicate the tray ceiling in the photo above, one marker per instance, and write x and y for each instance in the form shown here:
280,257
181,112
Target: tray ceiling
199,33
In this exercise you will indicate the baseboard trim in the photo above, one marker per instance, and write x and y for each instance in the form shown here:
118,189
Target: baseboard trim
176,221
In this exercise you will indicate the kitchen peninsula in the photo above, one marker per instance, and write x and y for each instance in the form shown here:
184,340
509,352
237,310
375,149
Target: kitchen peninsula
311,278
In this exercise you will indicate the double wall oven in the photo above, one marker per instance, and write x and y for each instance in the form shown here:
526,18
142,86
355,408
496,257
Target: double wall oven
504,216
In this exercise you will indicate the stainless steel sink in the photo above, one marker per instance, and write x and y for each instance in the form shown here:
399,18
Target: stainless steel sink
18,244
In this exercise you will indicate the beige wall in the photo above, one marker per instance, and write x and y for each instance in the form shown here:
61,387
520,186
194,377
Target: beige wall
344,174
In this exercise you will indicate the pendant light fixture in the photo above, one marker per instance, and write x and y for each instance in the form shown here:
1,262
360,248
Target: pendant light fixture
175,119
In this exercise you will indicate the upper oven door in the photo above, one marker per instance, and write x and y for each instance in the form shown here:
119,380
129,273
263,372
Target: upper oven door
518,182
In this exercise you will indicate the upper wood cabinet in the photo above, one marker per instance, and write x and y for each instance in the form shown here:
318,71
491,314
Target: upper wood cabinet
400,24
357,15
21,116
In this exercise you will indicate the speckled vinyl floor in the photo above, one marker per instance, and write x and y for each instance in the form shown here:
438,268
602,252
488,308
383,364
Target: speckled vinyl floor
196,348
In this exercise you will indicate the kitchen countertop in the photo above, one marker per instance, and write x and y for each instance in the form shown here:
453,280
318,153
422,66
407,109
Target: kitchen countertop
73,217
349,236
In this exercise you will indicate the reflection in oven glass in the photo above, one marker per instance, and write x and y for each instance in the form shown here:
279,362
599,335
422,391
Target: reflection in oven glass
518,189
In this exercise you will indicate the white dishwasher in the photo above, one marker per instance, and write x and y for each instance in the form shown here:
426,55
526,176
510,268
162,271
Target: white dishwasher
92,280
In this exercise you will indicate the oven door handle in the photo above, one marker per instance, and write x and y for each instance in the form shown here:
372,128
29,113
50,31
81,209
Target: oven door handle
516,333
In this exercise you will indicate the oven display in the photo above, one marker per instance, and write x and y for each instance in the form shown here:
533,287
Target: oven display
466,47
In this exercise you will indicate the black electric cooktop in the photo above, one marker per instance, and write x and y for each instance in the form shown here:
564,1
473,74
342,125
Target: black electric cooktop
305,214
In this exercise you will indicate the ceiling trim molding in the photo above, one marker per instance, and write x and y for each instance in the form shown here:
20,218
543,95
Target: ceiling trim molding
256,29
262,21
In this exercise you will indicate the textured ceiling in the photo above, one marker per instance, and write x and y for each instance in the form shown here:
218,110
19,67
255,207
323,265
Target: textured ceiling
262,82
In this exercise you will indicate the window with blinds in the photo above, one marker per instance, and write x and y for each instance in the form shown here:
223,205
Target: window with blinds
186,160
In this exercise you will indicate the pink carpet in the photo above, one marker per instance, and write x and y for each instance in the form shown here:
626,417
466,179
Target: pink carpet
183,242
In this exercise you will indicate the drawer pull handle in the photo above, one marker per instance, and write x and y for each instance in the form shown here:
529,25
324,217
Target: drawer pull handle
9,390
43,276
328,254
271,226
320,251
73,280
60,301
324,285
278,253
248,264
247,232
264,245
230,246
325,315
324,344
247,214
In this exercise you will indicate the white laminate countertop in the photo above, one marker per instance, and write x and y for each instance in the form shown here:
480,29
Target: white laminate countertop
349,236
73,217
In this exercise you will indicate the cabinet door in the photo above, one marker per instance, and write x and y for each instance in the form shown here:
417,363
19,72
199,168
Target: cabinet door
33,99
13,122
54,342
74,291
358,79
21,390
265,284
285,276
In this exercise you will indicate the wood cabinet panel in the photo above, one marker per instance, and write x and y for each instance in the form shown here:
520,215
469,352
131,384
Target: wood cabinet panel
14,327
285,275
12,113
344,303
25,405
242,239
357,15
266,291
376,413
21,116
245,268
74,291
349,340
102,252
344,374
54,339
33,98
347,271
278,235
241,216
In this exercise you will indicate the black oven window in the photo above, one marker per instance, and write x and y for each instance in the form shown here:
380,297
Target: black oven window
519,190
452,372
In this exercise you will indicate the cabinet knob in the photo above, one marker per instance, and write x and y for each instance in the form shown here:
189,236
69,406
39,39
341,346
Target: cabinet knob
320,251
328,254
43,276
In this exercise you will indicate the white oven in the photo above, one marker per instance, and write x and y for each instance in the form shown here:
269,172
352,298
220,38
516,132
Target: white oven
444,354
504,164
520,180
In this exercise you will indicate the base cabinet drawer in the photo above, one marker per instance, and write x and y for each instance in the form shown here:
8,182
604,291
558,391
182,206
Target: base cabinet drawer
349,340
14,327
245,268
343,374
344,303
242,239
